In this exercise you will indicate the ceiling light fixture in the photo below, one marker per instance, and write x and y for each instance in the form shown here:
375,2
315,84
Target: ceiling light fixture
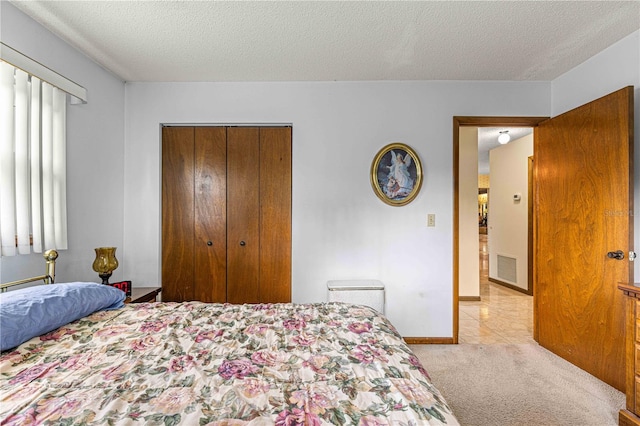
504,137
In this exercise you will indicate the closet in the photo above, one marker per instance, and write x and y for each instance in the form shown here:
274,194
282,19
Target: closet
226,214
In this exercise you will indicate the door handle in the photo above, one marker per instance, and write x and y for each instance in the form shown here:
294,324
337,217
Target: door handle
618,255
242,243
209,243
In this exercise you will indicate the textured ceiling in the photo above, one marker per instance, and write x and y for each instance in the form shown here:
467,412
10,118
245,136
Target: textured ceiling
337,40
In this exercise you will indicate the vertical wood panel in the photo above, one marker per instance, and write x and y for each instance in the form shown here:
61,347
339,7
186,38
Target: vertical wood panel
583,172
177,214
275,214
243,190
631,338
227,186
210,276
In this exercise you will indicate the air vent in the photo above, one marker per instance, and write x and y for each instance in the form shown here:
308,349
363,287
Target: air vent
507,269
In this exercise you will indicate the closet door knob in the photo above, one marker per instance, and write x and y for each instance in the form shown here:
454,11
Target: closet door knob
209,243
242,243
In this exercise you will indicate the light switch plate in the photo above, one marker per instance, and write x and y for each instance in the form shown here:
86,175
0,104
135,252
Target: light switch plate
431,219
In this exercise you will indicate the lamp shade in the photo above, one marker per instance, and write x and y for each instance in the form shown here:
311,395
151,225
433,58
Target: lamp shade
105,262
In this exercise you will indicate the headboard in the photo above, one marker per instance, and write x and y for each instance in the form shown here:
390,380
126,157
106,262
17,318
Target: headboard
50,274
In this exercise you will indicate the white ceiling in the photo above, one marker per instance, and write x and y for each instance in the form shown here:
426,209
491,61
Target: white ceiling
337,40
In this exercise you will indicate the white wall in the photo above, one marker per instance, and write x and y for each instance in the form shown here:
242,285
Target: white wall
469,261
612,69
616,67
508,219
341,230
95,153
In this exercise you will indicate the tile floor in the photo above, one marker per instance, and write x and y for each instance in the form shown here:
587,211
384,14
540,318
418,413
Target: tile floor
502,316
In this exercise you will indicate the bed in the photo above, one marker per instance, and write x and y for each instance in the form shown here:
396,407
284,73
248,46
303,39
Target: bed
211,364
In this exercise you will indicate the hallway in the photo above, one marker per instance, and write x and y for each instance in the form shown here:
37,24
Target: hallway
501,316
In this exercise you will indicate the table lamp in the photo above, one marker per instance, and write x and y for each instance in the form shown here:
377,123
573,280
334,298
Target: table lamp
105,262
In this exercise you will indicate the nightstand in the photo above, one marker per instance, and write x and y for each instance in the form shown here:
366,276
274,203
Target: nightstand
143,294
630,415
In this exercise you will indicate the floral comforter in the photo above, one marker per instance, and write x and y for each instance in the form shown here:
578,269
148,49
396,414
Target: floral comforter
212,364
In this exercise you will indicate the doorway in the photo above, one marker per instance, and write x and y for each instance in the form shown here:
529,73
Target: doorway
583,195
479,122
496,304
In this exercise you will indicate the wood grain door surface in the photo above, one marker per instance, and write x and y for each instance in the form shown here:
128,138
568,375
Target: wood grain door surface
275,214
177,213
243,252
226,214
584,204
210,216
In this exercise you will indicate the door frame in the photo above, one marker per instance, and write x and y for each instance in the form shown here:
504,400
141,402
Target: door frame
475,121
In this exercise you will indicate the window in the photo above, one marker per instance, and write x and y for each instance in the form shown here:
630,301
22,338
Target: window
33,214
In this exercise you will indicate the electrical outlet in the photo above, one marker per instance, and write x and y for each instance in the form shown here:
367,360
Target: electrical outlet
431,219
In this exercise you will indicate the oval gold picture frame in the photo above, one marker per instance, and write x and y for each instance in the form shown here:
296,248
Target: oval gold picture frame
396,174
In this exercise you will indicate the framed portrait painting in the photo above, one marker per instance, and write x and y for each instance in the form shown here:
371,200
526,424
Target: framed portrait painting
396,174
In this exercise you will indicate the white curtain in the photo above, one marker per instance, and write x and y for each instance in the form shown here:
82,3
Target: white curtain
33,212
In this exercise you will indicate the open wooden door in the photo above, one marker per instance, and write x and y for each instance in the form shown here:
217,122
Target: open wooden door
583,216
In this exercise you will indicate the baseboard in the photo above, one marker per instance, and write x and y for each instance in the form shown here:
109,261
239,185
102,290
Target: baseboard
511,286
428,340
469,298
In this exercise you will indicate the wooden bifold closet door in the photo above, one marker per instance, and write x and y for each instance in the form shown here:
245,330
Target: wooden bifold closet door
226,214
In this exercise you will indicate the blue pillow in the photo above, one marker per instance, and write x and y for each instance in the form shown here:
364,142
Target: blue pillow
29,312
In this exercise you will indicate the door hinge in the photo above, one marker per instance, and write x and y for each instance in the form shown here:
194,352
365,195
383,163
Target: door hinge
632,256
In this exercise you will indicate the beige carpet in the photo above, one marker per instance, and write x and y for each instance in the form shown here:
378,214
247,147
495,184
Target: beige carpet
510,385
